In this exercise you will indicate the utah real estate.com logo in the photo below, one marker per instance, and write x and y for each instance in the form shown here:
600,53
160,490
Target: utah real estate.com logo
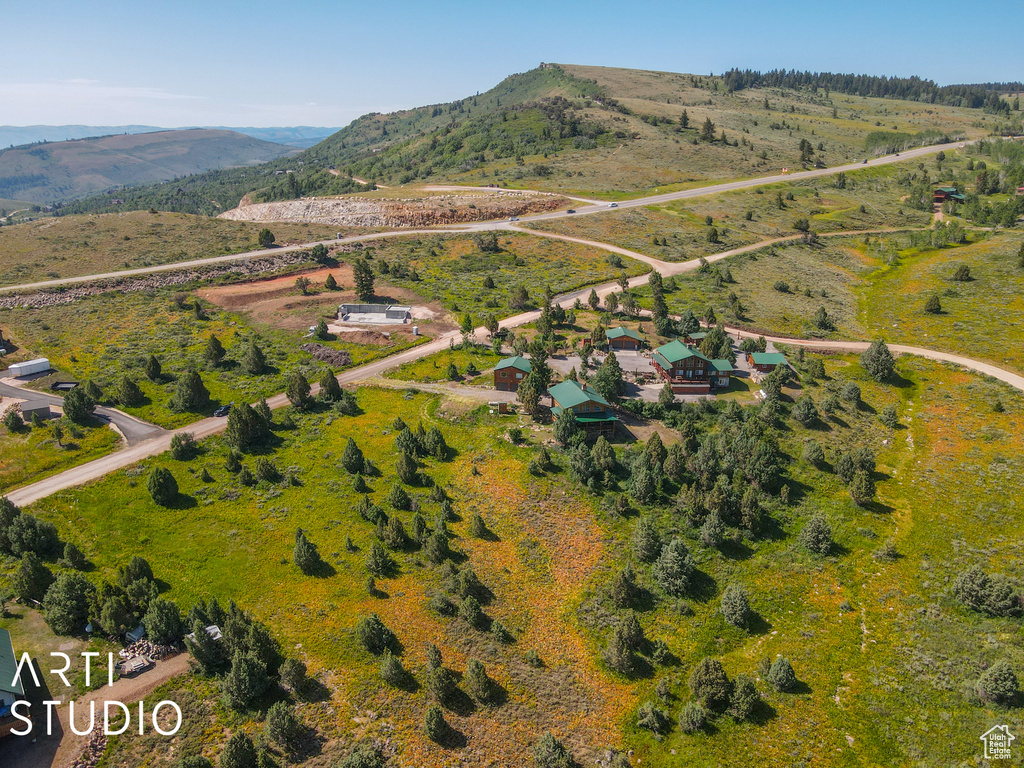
997,742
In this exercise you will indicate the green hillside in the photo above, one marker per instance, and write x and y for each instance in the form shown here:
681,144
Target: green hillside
597,131
49,172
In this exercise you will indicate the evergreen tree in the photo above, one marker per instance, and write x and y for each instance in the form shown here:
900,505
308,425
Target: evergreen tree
646,541
744,698
374,635
129,393
298,391
306,555
478,684
79,406
816,535
862,489
190,394
66,604
163,622
204,649
378,561
214,352
239,752
153,369
709,684
549,752
246,681
529,393
604,455
246,429
254,361
932,305
293,674
735,606
352,459
878,361
693,717
330,389
624,590
999,684
162,486
608,380
566,426
434,724
674,568
330,283
282,726
362,273
780,675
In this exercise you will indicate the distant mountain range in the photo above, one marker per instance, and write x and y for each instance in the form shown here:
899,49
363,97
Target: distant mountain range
65,170
16,135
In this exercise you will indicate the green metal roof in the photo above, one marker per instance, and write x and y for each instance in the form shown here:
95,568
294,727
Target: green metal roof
947,190
519,363
698,335
569,394
722,366
769,358
618,333
675,351
8,666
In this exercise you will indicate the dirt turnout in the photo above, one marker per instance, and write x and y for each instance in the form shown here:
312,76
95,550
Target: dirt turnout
424,211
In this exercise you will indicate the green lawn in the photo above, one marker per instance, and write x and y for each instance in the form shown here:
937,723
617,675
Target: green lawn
435,367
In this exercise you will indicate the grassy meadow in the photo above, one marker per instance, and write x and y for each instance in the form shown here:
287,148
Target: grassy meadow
108,336
69,246
435,367
452,270
884,658
32,453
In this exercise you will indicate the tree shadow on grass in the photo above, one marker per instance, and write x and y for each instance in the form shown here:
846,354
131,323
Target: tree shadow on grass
763,713
733,549
313,690
322,570
182,501
758,624
453,739
460,702
703,587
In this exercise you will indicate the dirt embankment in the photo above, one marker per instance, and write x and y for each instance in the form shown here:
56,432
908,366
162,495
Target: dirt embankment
413,212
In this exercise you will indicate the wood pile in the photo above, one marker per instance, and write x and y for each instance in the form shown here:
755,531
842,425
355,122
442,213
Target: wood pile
337,358
148,649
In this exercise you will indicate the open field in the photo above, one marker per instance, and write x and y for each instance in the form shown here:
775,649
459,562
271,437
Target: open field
452,270
874,198
977,315
69,246
33,453
112,335
544,546
435,367
862,634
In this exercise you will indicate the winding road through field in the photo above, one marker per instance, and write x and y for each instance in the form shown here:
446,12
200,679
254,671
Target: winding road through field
210,426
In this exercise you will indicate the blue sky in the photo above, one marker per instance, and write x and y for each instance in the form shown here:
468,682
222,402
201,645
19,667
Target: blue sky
313,62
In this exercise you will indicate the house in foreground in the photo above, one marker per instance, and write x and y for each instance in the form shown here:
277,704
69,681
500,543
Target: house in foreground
683,367
510,372
592,411
11,689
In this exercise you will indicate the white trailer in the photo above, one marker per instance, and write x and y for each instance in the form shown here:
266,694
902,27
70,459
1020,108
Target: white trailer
29,367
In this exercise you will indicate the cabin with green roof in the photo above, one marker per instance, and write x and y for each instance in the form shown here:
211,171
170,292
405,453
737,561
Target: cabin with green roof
942,194
11,689
766,362
623,338
510,372
683,367
592,411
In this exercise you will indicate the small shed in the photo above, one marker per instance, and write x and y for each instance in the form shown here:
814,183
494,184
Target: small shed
623,338
136,634
212,631
766,362
32,408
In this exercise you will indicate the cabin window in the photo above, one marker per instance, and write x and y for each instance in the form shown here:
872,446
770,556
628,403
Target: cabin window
519,375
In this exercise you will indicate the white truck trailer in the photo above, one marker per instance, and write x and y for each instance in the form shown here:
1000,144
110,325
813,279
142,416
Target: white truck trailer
29,367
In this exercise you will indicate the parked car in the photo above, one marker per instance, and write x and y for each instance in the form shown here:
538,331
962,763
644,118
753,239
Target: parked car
613,205
514,218
571,210
224,410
